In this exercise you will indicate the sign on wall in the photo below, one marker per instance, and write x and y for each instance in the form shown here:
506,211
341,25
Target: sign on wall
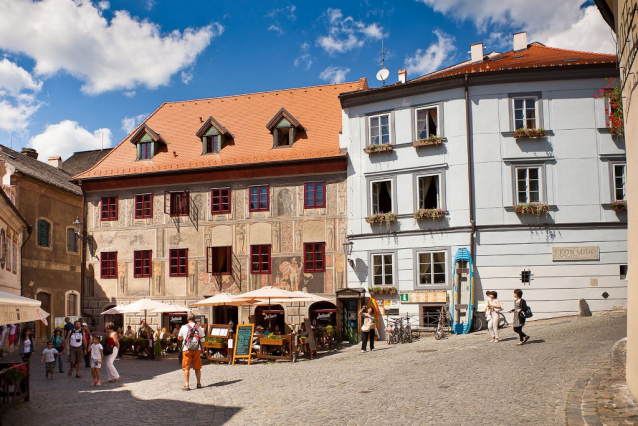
431,296
576,253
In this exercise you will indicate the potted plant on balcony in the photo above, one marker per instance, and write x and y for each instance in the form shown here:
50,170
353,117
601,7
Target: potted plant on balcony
429,214
619,205
532,208
614,108
381,147
386,218
432,140
530,133
383,290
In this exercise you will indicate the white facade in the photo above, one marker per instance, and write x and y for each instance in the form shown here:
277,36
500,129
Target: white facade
575,166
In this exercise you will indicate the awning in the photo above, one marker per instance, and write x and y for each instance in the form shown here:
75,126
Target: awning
324,311
16,309
272,312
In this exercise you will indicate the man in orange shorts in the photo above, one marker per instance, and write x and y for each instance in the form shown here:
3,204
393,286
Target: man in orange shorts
190,337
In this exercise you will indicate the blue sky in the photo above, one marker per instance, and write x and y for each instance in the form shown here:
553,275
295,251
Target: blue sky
75,74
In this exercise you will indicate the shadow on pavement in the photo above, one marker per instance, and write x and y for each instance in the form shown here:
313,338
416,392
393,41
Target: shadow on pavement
529,342
218,384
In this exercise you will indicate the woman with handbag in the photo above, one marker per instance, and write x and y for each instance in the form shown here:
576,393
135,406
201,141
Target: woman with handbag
59,345
493,309
369,328
110,353
520,306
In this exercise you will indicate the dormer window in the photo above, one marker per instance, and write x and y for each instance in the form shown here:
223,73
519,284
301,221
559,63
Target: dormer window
147,143
213,135
284,128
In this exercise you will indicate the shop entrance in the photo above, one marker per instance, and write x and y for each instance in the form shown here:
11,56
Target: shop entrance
349,302
271,316
225,314
323,314
170,321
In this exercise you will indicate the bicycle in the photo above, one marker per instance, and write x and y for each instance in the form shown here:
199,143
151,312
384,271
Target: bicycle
400,333
439,330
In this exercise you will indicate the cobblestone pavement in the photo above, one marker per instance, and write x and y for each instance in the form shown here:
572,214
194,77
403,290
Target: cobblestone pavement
459,380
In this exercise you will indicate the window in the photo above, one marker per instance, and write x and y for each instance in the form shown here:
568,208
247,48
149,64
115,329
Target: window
72,300
260,259
379,129
382,273
44,233
258,198
620,182
381,196
528,185
212,143
143,206
179,203
146,150
284,136
220,200
427,122
623,272
314,195
525,115
14,257
432,269
429,194
109,208
108,264
71,241
142,263
3,249
9,252
218,260
179,262
314,255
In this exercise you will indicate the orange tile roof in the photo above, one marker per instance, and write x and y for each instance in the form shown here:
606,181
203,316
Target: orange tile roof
535,56
317,109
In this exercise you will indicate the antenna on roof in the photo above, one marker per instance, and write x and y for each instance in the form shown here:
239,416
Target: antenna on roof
383,73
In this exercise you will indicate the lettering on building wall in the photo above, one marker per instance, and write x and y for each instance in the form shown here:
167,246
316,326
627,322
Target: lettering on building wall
576,253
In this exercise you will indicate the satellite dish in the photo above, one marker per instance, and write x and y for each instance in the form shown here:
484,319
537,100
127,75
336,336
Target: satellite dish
383,74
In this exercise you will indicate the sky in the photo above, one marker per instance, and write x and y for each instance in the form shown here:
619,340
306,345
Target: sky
77,75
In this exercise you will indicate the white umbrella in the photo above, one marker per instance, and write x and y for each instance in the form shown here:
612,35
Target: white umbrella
144,305
116,310
170,308
223,299
16,309
270,293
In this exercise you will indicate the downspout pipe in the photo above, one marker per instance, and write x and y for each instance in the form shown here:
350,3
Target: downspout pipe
82,251
470,167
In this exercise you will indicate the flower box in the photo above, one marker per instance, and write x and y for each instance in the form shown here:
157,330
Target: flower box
432,140
619,205
532,208
386,218
213,345
383,290
430,214
384,147
530,133
271,341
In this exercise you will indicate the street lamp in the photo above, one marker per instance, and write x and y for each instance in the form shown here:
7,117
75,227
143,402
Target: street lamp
347,249
77,227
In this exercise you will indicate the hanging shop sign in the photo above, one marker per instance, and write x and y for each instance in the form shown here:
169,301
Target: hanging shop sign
428,296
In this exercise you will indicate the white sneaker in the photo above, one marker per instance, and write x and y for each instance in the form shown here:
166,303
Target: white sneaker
372,350
362,351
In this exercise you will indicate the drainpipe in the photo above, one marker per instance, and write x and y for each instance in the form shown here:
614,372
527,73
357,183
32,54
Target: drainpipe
83,250
470,168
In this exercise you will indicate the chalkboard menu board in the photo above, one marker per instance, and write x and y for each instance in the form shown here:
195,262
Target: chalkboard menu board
311,336
243,342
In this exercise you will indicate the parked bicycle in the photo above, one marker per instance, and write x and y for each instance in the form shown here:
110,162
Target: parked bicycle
400,333
439,331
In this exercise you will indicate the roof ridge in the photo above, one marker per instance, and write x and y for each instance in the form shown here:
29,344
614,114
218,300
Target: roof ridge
571,50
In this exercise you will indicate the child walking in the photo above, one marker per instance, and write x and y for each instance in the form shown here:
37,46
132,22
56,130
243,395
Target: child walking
97,352
48,355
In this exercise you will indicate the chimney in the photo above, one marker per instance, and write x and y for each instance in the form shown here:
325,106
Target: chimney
55,161
403,74
30,152
476,52
520,41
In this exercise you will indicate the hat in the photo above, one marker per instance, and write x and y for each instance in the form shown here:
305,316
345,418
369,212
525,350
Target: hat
259,326
83,324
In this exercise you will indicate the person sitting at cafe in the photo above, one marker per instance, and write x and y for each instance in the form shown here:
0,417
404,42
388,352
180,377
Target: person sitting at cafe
259,331
129,331
277,331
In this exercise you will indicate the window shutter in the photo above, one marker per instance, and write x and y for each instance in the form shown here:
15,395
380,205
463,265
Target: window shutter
291,135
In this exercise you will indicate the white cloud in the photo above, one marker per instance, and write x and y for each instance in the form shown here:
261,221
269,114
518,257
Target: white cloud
103,5
116,55
129,94
555,23
150,4
334,74
15,79
130,123
288,12
304,60
15,115
431,59
17,96
345,34
187,76
67,137
276,29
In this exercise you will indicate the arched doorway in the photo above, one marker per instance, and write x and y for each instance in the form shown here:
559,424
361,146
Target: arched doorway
323,314
42,331
270,316
117,319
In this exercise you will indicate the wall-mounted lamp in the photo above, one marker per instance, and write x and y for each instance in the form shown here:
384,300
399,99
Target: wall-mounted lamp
347,249
77,227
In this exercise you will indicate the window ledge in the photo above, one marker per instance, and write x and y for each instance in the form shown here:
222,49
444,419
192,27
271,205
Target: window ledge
608,206
552,208
511,134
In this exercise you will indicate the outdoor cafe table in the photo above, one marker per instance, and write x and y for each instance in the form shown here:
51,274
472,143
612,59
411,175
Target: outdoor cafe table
285,344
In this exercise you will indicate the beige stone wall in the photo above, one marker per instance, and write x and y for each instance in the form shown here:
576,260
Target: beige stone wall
286,226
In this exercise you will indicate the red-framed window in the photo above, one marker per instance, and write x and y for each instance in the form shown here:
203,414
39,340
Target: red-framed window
314,195
218,260
142,263
258,198
179,203
143,206
179,262
220,200
108,264
260,259
146,152
314,255
109,208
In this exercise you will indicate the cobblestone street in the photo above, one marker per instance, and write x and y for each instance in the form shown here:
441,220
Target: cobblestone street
548,381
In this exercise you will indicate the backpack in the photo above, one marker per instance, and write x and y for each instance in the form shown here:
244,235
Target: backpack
192,338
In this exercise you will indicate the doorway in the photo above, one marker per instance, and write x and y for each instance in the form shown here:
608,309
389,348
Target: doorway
225,314
42,331
270,316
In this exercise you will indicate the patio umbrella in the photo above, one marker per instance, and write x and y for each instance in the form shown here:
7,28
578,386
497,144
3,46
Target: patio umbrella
269,293
116,311
142,305
16,309
170,308
223,299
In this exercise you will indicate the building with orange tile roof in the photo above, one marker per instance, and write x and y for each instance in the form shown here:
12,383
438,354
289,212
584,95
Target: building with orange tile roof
221,194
